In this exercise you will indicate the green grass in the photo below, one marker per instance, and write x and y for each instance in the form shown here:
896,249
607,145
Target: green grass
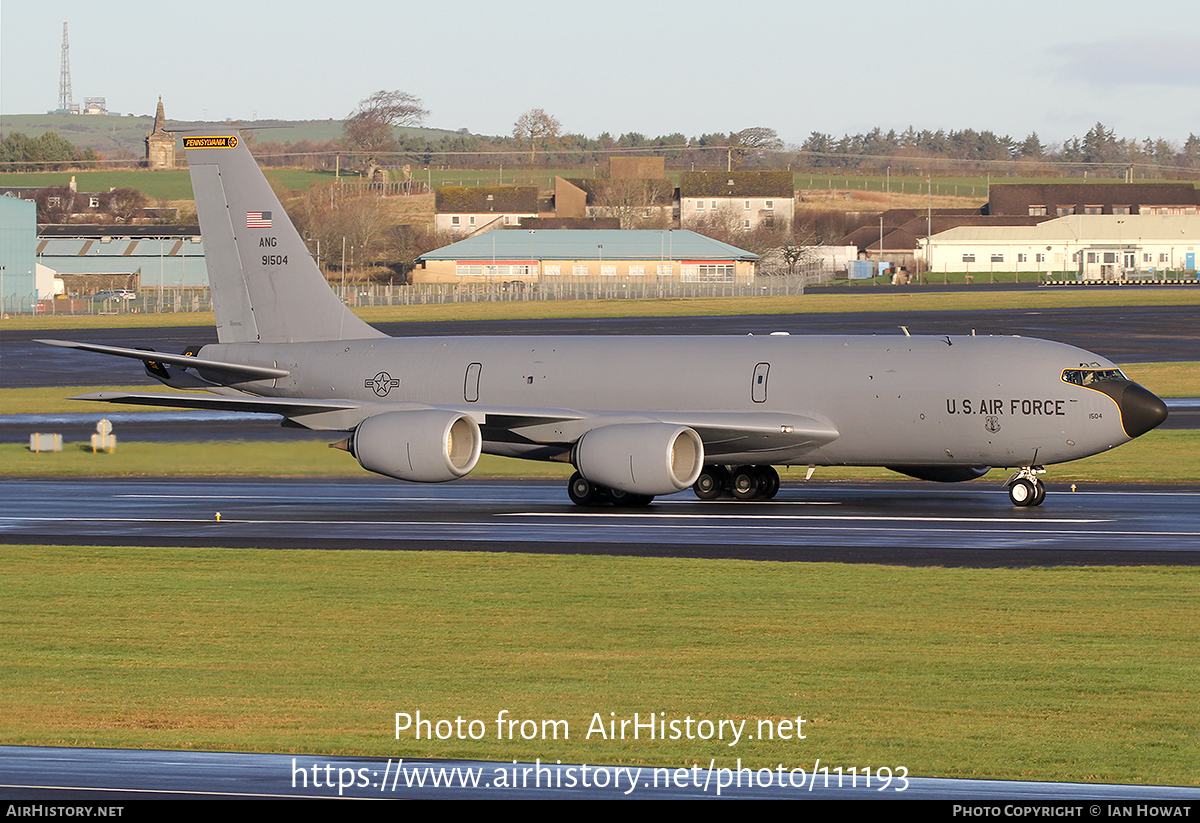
295,458
168,185
51,399
1167,379
1047,674
1170,456
963,186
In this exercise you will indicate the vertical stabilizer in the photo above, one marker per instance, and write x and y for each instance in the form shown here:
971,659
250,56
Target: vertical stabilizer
265,286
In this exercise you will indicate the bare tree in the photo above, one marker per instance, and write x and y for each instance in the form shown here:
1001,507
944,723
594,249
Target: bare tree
329,213
636,202
55,204
536,126
368,129
127,204
795,254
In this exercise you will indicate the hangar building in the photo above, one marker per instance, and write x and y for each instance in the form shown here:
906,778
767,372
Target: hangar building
560,254
1083,246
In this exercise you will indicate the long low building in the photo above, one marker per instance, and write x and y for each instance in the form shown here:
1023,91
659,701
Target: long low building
559,254
148,256
1085,246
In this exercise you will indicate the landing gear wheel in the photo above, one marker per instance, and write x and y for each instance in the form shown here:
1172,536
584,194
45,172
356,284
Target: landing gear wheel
711,483
1023,492
582,491
768,482
744,483
1040,494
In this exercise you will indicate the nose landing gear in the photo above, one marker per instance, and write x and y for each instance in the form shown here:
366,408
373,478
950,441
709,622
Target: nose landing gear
1024,487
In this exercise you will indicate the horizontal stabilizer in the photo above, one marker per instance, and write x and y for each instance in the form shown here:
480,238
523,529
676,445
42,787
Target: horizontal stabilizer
242,370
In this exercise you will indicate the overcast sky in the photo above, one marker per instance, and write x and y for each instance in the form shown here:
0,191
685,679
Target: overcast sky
652,67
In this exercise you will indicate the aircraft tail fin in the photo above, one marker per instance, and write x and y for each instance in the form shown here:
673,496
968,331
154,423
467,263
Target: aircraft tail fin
265,286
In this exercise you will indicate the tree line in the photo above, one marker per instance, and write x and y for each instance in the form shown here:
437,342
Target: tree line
947,152
538,139
1099,147
46,152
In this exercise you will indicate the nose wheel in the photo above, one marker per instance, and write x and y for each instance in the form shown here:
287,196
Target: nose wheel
1025,489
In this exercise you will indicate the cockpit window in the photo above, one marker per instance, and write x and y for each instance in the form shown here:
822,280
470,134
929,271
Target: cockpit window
1090,377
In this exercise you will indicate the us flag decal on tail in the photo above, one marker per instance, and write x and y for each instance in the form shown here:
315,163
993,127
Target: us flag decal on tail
258,219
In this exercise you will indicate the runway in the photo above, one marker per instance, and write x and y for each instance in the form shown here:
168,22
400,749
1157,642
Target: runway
107,775
904,523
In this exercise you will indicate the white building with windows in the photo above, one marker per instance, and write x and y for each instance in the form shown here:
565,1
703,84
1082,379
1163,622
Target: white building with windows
473,209
744,200
1083,246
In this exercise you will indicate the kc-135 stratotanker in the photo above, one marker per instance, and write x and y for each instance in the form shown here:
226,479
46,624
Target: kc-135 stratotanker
635,416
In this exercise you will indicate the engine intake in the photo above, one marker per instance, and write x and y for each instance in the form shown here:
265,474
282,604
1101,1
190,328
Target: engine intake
641,458
424,446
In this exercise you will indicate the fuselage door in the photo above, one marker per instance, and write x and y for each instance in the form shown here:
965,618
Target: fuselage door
471,385
758,390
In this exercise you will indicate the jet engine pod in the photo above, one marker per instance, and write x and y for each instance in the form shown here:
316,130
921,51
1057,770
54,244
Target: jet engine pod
425,445
641,458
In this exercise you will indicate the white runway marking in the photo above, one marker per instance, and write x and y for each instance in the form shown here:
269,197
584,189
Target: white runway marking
841,518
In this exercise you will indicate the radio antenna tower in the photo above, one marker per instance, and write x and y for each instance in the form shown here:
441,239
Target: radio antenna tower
64,74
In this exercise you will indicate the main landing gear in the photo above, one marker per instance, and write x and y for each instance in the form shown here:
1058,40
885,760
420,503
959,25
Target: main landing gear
584,492
741,483
1024,487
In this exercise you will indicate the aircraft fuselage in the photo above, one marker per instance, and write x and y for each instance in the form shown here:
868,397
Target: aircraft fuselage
988,401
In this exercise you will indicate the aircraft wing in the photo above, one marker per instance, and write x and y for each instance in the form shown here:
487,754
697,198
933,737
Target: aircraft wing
324,414
755,432
732,436
241,371
724,434
266,405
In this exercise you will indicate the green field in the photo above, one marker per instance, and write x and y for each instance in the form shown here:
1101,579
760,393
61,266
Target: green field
157,185
1167,456
1047,674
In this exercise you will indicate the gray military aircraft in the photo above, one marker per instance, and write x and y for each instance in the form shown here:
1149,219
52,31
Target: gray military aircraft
636,416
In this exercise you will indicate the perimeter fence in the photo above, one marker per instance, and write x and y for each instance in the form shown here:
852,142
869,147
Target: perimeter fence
358,294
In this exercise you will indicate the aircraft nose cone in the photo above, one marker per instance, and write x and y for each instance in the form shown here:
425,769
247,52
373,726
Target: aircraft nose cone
1141,410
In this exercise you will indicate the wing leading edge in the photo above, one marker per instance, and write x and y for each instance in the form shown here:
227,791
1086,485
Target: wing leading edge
725,435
